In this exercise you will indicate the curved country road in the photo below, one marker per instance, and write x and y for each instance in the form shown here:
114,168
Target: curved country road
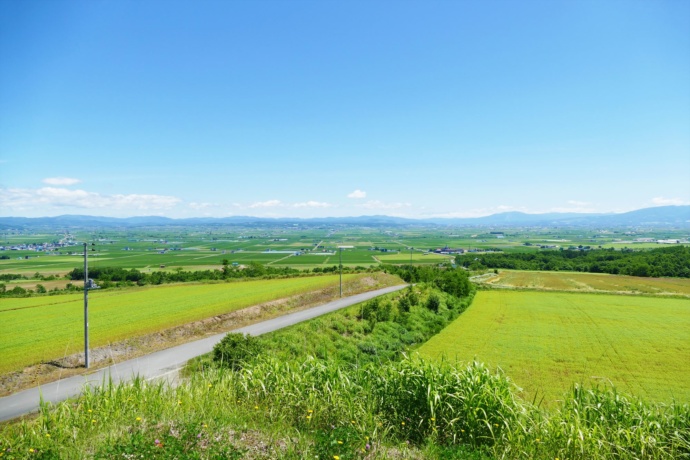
162,362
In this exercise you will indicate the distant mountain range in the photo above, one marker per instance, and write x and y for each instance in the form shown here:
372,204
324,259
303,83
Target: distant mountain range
659,216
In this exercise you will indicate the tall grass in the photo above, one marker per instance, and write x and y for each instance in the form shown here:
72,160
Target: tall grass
317,407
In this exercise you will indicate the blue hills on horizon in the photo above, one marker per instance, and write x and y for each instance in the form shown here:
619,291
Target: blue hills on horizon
659,216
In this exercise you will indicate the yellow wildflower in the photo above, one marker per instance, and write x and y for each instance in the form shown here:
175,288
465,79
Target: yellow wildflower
138,419
31,450
340,442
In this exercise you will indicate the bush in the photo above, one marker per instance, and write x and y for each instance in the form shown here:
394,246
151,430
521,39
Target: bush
433,303
235,350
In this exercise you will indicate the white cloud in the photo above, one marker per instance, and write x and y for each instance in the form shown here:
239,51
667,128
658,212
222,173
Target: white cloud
195,205
60,181
376,204
45,197
508,208
578,203
357,194
661,201
312,204
266,204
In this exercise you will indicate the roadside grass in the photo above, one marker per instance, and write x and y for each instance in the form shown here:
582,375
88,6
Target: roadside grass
588,282
400,409
548,341
42,328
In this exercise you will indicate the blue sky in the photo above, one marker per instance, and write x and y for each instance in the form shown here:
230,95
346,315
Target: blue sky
334,108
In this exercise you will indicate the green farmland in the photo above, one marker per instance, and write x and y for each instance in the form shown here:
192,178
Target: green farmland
546,342
297,246
42,328
587,282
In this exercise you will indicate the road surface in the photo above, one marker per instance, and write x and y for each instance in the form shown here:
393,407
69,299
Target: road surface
162,362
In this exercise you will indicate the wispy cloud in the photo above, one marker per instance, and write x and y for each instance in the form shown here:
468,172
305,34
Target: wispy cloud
312,204
21,199
661,201
266,204
578,203
195,205
60,181
357,194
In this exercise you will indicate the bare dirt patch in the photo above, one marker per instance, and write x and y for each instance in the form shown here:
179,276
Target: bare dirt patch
138,346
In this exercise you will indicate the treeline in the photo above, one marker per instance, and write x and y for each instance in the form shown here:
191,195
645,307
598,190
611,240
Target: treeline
671,261
107,277
453,282
115,276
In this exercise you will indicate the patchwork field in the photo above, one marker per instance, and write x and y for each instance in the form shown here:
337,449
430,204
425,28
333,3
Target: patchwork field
546,342
417,258
41,328
589,282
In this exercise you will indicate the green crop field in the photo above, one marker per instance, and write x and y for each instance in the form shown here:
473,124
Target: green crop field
546,342
41,328
200,247
417,258
574,281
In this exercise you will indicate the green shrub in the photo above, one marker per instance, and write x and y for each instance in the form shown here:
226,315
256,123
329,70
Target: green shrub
235,350
433,303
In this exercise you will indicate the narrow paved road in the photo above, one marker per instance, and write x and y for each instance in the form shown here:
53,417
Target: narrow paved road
162,362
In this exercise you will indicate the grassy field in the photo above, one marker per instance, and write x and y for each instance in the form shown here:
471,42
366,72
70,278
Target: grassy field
590,282
41,328
417,258
548,341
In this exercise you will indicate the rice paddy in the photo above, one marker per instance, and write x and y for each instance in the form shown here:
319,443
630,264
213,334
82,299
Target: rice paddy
546,342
